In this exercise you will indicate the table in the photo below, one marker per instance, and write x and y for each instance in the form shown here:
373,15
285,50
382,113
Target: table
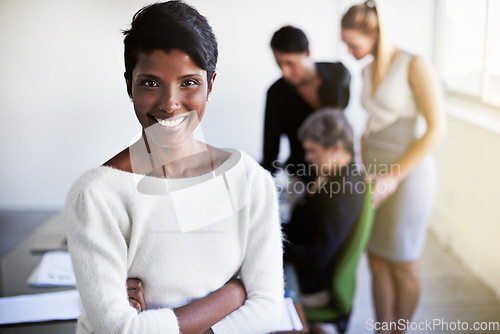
17,265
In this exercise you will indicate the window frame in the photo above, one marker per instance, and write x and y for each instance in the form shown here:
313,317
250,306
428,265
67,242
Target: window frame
440,55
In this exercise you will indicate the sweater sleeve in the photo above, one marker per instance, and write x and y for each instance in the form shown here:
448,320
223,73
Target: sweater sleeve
344,82
334,91
99,253
273,128
262,268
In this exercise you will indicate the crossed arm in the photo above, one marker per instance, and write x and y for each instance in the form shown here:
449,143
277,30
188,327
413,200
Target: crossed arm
200,315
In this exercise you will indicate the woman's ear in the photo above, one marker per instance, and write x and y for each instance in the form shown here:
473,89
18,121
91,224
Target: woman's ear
129,85
211,83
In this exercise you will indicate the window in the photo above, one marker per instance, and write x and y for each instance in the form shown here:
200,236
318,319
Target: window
468,47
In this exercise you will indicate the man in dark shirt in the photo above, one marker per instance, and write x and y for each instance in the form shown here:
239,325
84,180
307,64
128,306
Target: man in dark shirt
305,86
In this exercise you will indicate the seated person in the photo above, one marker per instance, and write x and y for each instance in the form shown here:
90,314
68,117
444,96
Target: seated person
323,220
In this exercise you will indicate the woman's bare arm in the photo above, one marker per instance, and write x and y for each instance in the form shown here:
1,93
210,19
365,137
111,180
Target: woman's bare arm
428,94
363,138
200,315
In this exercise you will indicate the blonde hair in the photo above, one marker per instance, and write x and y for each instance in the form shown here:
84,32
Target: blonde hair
366,18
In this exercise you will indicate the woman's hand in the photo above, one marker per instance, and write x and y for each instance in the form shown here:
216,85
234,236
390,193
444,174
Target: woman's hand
136,294
384,187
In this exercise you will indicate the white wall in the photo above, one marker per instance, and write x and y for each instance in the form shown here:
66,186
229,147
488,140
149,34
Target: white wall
63,103
466,217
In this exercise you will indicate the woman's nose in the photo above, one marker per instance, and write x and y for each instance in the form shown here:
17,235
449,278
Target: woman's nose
170,101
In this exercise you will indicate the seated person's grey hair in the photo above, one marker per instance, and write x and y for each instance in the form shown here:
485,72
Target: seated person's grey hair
327,127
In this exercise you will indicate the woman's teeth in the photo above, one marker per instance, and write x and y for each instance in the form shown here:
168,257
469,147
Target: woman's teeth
170,124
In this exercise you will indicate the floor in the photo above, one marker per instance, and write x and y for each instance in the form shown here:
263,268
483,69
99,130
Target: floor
450,294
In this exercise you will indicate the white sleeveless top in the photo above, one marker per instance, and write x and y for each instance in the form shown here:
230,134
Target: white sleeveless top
393,99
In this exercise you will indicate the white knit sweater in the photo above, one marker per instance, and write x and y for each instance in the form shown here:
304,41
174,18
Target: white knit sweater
184,238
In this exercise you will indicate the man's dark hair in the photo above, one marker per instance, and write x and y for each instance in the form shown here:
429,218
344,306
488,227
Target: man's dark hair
290,39
170,25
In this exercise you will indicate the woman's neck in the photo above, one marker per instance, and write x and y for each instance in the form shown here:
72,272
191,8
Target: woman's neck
192,158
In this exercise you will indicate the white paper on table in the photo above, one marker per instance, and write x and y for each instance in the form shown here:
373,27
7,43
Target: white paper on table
61,305
55,269
289,320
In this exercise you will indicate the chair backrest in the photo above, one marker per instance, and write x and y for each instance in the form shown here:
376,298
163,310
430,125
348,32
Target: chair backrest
344,274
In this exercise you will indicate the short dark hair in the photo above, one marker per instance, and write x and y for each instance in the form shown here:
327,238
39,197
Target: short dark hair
328,127
290,39
170,25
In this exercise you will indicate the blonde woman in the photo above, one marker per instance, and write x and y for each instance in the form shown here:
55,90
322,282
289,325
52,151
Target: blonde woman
398,86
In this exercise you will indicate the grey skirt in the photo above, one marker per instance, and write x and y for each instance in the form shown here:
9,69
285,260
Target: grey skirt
400,225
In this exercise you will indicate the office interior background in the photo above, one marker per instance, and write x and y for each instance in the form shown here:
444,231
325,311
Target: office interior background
64,107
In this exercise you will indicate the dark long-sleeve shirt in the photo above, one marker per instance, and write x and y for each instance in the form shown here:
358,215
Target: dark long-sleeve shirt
286,110
320,225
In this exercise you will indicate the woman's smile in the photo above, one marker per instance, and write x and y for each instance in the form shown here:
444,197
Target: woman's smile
171,122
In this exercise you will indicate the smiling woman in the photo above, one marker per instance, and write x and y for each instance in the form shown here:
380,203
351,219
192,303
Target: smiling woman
194,226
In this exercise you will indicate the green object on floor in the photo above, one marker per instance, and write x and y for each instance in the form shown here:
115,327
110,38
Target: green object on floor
344,274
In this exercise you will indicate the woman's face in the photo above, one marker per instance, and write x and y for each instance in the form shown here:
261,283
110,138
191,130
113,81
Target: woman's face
169,92
359,44
323,159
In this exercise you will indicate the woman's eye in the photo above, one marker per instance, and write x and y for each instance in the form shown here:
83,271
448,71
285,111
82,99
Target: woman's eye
190,82
150,83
